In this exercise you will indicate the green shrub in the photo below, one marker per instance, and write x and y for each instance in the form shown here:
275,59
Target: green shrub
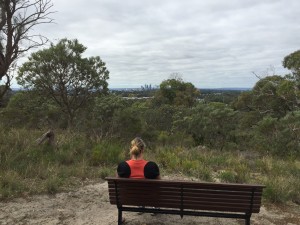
190,167
264,165
242,173
280,189
10,184
175,139
53,185
169,159
228,176
205,173
105,172
108,153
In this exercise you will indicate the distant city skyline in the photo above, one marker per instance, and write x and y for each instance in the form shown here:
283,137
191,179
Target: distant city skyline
212,43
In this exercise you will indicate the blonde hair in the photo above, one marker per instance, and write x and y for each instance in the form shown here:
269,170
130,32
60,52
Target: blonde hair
137,146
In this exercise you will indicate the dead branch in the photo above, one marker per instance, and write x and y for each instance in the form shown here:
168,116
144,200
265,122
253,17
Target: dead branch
47,138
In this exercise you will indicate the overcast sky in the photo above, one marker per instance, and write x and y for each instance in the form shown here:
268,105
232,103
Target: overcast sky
211,43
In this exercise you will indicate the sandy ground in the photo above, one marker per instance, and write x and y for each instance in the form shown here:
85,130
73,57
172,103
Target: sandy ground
89,205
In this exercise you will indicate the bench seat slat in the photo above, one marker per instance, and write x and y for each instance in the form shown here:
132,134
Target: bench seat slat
195,197
200,194
194,193
218,202
205,202
177,205
213,200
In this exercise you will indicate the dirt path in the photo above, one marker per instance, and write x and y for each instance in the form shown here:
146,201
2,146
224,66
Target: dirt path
89,205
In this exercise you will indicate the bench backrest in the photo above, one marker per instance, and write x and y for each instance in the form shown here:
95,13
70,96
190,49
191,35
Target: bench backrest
185,195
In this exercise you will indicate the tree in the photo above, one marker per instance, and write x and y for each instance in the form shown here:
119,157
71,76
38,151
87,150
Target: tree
17,19
280,137
211,124
292,62
62,74
266,98
100,119
176,92
272,95
29,109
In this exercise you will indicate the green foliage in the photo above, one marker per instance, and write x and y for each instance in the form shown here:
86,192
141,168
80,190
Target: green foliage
281,189
53,185
106,171
224,96
280,137
106,106
62,74
228,176
181,160
126,123
114,117
175,139
10,184
266,98
107,153
160,118
292,62
273,95
244,102
169,159
212,124
176,92
29,109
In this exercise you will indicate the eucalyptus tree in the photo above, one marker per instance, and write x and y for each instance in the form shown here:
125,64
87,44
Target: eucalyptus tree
176,92
292,62
62,74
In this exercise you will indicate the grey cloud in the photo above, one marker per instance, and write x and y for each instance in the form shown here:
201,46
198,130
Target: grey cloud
212,43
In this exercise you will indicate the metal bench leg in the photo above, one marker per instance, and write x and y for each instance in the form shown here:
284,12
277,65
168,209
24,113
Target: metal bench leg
247,221
119,217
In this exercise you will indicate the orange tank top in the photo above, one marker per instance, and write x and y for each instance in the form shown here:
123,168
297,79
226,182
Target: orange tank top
137,168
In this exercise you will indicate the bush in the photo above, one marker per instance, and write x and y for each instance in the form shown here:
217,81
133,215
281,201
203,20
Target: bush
175,139
277,190
107,153
228,176
53,185
10,184
105,172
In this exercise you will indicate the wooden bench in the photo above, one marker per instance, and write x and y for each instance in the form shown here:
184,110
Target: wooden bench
185,198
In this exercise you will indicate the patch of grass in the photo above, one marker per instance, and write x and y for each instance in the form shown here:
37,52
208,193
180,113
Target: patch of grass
277,190
265,165
228,176
11,184
107,153
205,173
168,159
242,173
53,185
189,167
28,167
105,172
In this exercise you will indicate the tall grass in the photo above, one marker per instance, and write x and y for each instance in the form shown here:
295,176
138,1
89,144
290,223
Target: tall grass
281,177
26,167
